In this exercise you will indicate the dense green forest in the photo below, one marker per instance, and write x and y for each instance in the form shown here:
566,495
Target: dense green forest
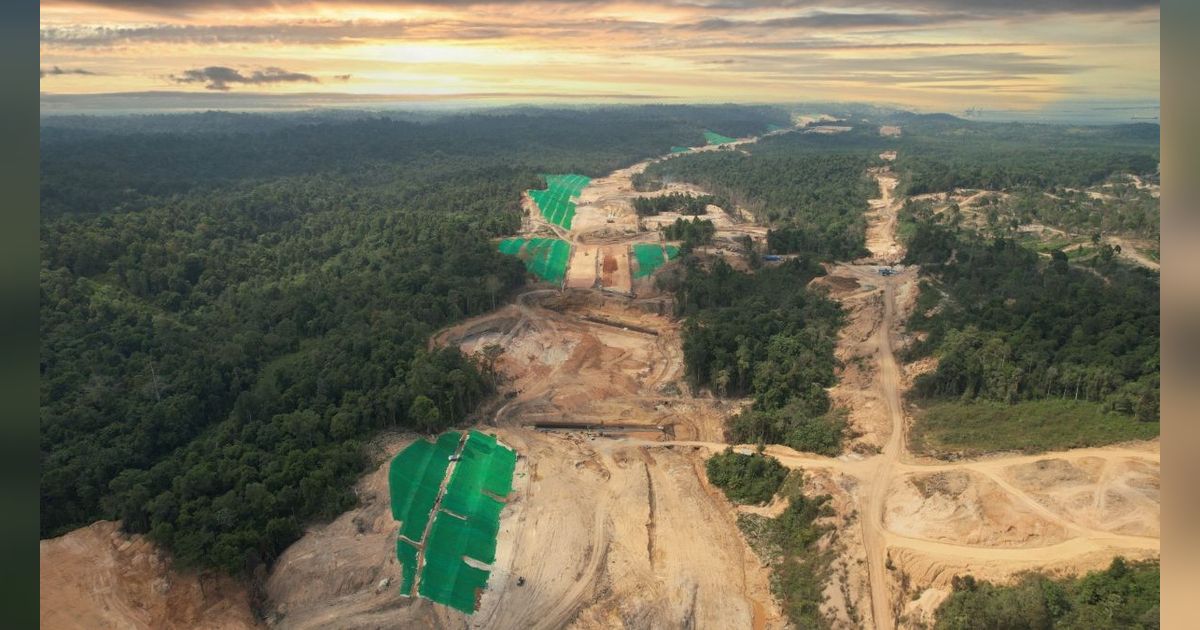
810,189
938,153
1008,325
766,336
1122,597
228,315
85,171
693,233
746,478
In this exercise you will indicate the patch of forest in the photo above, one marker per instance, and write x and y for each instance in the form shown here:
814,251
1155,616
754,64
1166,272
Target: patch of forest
943,154
766,336
747,479
1008,325
227,317
683,203
1124,596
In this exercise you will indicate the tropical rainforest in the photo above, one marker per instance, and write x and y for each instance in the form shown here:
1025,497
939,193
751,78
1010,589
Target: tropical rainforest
232,305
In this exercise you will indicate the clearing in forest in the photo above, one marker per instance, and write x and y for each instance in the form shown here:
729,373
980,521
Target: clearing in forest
715,138
465,510
545,258
555,202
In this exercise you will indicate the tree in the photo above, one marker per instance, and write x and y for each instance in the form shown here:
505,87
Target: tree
425,413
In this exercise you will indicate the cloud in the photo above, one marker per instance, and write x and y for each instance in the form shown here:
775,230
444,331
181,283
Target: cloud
989,7
220,77
57,71
826,20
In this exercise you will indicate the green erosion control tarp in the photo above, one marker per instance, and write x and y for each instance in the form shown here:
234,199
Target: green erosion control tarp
407,554
649,257
680,149
414,479
555,202
672,251
485,466
511,246
468,520
446,578
716,138
545,258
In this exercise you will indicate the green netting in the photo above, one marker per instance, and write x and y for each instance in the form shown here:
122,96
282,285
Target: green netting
511,246
672,251
446,578
716,138
546,258
407,554
649,257
774,127
555,201
484,466
680,149
414,479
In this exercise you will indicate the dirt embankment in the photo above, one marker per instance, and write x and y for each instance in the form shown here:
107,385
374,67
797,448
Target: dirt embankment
99,577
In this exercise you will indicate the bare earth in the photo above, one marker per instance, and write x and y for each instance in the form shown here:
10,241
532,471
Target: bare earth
97,577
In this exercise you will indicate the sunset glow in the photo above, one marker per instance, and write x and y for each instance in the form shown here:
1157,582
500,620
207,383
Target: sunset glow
924,54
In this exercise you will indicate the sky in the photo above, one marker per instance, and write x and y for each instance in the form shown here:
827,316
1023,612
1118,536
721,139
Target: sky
929,55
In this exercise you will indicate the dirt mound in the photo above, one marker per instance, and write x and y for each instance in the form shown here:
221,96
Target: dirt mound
964,507
99,577
1117,495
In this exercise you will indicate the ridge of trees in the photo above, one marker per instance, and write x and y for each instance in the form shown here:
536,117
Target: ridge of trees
813,201
767,336
1007,325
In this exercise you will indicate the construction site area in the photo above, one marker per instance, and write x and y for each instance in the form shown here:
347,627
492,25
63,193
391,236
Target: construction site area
580,499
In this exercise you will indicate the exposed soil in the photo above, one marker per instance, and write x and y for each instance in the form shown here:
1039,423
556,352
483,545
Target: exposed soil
99,577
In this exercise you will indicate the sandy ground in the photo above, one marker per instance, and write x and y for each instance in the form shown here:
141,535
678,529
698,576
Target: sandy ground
97,577
583,267
889,130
